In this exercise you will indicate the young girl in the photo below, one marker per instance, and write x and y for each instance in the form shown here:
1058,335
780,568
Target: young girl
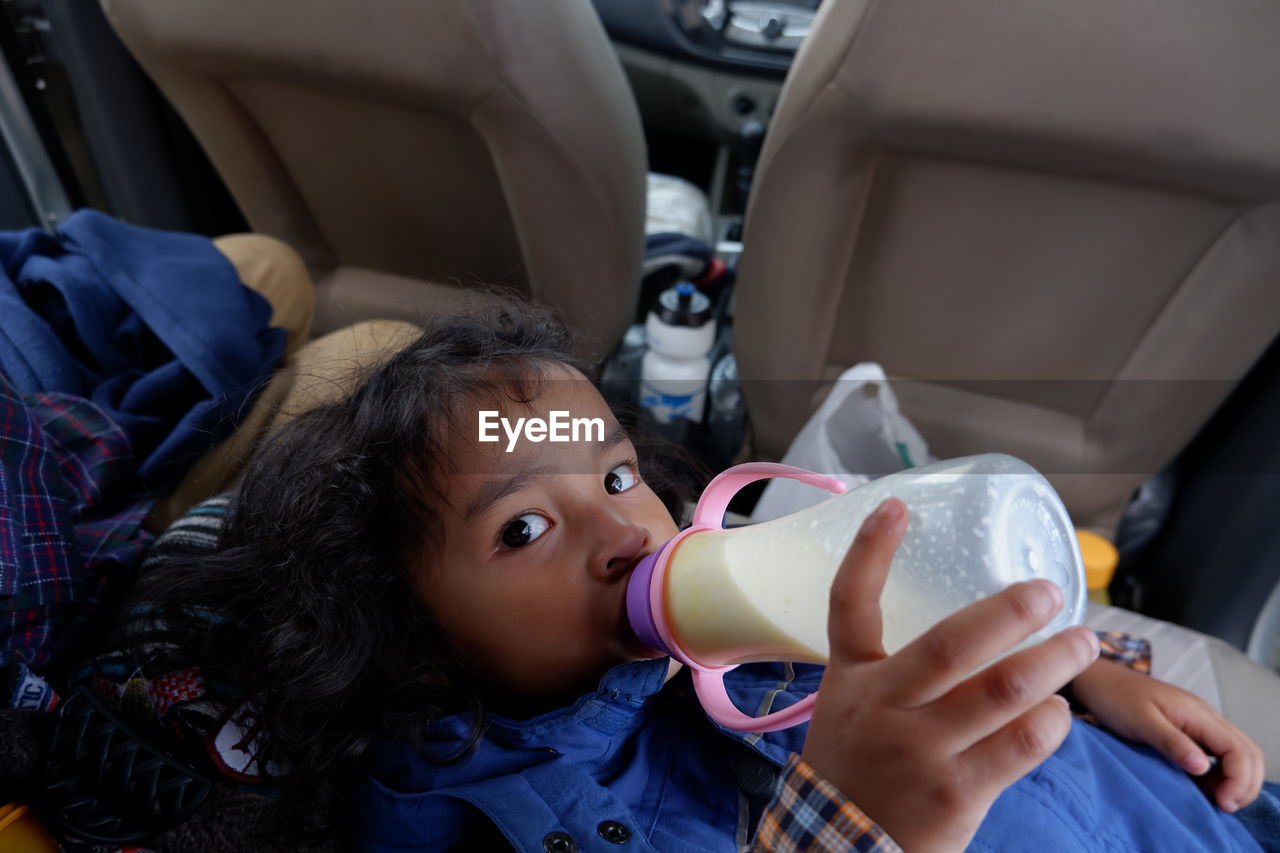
431,624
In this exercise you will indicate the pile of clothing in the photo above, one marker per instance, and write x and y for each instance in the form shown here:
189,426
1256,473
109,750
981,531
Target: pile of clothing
125,354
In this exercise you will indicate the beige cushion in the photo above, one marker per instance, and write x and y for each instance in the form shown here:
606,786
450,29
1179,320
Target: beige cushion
348,294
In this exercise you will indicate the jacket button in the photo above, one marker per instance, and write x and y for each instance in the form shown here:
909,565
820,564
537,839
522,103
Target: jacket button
756,777
559,842
614,832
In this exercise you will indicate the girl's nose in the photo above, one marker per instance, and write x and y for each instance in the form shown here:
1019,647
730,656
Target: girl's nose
621,545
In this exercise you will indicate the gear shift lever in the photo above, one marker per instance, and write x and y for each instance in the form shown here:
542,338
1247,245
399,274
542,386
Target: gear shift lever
750,141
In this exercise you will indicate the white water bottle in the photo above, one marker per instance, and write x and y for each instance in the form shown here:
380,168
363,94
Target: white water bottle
715,598
673,374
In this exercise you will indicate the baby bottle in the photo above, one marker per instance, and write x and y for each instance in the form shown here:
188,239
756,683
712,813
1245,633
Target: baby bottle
715,598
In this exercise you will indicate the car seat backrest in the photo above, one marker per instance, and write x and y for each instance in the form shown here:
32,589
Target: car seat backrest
1056,225
453,142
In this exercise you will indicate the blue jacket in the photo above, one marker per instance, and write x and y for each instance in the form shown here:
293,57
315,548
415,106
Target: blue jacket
641,756
152,326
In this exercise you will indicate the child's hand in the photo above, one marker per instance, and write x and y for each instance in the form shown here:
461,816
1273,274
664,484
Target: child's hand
1179,724
914,740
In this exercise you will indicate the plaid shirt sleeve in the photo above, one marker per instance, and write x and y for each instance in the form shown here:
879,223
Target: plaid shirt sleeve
810,814
1133,652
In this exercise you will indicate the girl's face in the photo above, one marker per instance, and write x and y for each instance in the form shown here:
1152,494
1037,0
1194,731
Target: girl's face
538,543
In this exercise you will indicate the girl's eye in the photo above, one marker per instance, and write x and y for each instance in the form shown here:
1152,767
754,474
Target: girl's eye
620,479
523,529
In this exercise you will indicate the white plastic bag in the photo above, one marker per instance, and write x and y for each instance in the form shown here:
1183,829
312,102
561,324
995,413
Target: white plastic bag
857,434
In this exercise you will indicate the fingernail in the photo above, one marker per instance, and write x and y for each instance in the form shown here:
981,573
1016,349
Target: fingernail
1231,806
1056,592
1095,645
1054,602
885,516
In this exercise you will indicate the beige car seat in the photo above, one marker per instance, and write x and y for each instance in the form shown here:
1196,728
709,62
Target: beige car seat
410,150
1054,224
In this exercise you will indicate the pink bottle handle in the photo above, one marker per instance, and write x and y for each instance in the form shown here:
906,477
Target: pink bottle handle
709,685
714,502
708,681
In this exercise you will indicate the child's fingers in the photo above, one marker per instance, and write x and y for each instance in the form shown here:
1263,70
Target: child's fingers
1005,756
946,654
1240,760
990,699
854,621
1241,781
1188,755
1177,746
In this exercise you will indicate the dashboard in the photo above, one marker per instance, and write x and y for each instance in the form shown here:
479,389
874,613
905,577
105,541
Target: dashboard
706,67
750,36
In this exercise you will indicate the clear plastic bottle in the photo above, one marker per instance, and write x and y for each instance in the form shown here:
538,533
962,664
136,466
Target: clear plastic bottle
715,598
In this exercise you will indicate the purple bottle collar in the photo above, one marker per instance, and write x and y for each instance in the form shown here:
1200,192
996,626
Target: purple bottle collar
639,607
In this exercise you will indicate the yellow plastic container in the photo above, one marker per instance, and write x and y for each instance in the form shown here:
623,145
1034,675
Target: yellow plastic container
1100,558
22,832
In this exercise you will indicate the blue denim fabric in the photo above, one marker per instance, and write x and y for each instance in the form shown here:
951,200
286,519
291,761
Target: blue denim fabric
637,751
1101,793
1262,818
642,754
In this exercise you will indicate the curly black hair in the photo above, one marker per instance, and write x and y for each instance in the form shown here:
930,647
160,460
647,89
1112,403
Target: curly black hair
325,634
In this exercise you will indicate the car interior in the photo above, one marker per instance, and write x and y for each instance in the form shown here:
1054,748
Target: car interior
1056,227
